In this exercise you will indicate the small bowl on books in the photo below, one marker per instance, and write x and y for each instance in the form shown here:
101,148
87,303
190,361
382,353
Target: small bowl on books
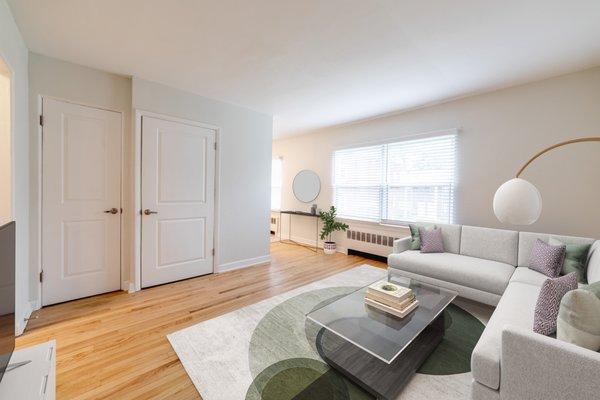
390,298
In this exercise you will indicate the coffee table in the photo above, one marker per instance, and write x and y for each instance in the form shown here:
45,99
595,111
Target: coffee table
374,349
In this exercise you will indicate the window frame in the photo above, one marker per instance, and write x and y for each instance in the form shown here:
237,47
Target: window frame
383,197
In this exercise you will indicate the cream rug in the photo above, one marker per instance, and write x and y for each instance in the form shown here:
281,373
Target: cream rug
266,351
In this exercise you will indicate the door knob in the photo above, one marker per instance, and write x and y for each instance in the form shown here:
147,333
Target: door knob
147,211
112,211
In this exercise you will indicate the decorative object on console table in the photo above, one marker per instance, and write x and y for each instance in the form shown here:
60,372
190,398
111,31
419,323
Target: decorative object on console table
518,201
330,225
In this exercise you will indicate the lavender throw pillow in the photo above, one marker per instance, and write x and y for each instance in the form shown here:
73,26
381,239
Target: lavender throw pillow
431,240
548,302
546,258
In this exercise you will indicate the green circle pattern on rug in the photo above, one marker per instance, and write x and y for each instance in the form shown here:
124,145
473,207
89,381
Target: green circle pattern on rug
285,364
453,355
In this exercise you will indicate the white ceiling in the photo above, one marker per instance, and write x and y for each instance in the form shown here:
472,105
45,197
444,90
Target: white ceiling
315,63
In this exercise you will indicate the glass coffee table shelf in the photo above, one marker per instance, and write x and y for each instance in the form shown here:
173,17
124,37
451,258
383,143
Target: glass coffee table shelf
376,350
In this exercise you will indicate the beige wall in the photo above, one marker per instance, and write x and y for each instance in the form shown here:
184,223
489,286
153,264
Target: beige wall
499,131
75,83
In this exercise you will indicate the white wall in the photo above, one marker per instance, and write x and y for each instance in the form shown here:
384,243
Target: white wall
14,53
5,146
499,131
245,167
75,83
246,138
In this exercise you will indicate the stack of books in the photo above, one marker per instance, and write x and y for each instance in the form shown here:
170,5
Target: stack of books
391,298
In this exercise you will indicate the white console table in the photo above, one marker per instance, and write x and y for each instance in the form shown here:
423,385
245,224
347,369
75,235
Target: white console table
35,380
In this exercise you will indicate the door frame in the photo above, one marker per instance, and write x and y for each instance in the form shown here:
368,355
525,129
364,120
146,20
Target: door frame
136,273
40,187
11,132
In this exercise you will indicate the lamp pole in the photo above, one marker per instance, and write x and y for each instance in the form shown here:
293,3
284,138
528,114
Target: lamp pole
554,146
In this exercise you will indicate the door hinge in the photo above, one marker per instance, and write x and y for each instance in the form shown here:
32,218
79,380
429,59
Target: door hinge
213,252
42,276
41,120
215,145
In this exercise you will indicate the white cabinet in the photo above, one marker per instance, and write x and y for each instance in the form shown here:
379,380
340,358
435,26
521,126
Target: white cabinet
35,380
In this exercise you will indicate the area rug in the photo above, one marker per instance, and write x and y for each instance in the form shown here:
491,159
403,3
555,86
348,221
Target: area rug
266,351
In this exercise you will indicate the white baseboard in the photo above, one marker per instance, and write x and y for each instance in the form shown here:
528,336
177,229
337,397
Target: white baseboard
243,263
35,305
131,287
21,321
128,287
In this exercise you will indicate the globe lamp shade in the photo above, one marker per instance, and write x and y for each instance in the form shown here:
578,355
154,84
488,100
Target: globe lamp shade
517,202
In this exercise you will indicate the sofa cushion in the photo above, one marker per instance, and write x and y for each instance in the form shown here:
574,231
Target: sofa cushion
451,235
431,240
576,257
476,273
593,266
546,258
527,240
415,235
516,308
526,275
546,308
579,317
492,244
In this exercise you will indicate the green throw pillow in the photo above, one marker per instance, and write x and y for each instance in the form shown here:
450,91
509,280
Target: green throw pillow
575,258
579,317
415,242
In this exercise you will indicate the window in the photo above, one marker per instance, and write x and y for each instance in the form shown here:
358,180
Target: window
407,181
276,176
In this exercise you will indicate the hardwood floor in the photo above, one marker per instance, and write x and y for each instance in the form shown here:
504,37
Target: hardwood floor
114,346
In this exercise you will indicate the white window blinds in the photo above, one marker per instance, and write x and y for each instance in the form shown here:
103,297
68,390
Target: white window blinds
276,177
407,181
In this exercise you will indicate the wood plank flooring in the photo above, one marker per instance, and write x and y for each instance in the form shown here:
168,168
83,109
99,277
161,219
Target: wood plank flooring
114,346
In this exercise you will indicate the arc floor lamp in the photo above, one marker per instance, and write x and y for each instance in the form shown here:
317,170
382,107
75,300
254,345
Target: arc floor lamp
518,201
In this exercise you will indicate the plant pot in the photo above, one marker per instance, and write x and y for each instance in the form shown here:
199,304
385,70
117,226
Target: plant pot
329,247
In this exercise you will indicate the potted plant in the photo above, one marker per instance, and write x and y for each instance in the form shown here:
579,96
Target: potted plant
330,225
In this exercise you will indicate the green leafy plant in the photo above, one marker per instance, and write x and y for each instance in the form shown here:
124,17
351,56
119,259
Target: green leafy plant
330,225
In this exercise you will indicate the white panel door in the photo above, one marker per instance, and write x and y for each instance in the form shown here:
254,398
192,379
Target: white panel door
81,217
178,169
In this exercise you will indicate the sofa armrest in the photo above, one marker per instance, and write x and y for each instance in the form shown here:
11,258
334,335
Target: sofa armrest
534,366
402,244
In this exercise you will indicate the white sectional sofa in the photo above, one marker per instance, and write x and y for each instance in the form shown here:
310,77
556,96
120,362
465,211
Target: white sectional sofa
510,361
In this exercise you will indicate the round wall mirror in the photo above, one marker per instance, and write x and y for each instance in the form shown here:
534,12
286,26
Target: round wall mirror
306,186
